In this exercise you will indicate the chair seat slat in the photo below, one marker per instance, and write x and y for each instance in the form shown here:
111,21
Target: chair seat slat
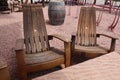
93,49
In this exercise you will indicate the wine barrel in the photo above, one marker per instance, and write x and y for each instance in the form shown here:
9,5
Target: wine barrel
56,12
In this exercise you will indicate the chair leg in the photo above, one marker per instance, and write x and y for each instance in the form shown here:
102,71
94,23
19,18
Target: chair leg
21,65
67,54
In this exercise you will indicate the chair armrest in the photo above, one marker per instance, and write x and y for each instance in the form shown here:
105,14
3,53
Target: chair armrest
62,38
66,47
113,41
19,45
107,36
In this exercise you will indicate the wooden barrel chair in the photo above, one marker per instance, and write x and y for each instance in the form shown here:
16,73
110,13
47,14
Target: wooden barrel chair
85,39
34,52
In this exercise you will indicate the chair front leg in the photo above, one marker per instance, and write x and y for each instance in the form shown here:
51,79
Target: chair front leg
67,53
21,64
112,47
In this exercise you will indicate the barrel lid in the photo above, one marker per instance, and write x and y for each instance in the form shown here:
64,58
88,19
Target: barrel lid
3,63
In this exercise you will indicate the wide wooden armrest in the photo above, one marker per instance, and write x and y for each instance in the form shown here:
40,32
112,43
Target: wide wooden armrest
113,41
19,44
107,36
62,38
67,48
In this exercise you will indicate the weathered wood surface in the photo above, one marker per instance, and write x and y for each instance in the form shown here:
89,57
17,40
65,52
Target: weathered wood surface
86,36
86,31
34,29
39,55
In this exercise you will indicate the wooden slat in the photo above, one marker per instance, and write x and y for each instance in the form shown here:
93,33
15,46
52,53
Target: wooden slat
41,31
86,27
79,28
91,29
92,49
83,26
30,30
35,29
45,32
25,24
93,24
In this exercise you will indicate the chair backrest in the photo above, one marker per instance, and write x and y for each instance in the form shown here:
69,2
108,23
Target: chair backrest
86,30
36,39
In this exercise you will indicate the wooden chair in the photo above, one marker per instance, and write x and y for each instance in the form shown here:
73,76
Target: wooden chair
16,4
34,52
85,40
